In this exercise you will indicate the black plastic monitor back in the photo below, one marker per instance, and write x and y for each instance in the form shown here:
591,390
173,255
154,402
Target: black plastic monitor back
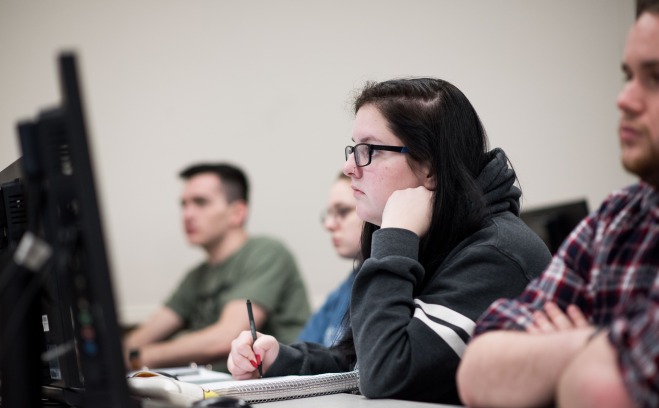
554,223
13,209
58,170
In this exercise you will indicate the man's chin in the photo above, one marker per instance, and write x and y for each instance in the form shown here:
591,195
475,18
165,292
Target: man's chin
647,172
632,162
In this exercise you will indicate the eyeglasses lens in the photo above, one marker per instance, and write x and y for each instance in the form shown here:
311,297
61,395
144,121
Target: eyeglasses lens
362,155
336,214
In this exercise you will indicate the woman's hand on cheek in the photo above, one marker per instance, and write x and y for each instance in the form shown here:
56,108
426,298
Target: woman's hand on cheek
410,209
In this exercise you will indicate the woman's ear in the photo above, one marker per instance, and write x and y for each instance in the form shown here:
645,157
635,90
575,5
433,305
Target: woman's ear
430,182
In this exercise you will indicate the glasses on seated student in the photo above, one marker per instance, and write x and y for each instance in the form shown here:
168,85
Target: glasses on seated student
364,152
337,214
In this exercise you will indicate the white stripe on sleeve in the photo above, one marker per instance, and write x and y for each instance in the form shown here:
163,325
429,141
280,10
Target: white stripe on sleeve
446,333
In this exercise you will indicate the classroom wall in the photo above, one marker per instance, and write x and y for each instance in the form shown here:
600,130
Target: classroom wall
267,85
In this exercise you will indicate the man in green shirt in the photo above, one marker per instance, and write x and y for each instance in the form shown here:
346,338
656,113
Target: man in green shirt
207,311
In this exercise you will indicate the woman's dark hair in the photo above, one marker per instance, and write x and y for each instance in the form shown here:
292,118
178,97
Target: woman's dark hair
441,129
649,6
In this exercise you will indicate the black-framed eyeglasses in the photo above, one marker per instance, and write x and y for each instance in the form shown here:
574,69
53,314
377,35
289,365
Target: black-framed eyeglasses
364,152
337,214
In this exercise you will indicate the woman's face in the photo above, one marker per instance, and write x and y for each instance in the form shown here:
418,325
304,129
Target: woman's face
342,221
388,171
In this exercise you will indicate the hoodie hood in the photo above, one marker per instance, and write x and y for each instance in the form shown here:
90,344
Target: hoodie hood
497,180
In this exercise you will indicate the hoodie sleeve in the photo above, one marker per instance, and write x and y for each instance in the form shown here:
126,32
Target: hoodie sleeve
306,359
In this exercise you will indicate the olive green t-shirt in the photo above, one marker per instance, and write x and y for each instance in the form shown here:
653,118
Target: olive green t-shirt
262,270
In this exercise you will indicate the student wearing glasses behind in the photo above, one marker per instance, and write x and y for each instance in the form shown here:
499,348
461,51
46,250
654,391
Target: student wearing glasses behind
441,241
345,227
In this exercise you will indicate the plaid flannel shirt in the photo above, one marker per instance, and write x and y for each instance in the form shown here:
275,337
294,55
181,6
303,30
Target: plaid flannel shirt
608,267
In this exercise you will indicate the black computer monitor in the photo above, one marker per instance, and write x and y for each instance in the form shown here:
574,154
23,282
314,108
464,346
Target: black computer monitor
20,331
50,303
554,223
13,210
84,360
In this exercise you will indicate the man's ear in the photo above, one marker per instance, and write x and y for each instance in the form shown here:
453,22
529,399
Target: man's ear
239,212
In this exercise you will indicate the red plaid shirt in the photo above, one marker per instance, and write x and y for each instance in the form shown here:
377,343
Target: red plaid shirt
608,266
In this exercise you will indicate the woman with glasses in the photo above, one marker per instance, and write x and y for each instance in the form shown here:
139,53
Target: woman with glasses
441,241
345,227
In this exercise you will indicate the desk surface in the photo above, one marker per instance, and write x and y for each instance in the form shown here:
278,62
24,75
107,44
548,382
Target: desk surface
324,401
347,401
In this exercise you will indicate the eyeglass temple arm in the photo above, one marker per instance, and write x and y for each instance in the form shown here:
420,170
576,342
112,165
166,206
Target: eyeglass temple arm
400,149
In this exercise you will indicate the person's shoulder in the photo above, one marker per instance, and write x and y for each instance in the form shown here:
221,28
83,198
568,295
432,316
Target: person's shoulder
344,286
626,194
264,244
507,237
506,230
266,241
197,269
625,199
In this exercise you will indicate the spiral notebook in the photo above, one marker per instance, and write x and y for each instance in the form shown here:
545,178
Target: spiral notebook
287,387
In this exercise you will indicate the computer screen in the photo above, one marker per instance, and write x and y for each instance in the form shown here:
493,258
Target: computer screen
82,357
554,223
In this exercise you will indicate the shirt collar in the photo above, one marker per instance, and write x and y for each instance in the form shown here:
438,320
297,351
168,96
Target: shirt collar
650,200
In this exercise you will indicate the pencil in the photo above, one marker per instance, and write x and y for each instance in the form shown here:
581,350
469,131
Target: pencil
252,327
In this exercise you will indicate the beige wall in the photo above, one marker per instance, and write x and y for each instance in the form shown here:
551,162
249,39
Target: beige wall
267,85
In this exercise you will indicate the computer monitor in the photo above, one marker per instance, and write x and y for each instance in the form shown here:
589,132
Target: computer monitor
13,220
50,302
84,355
13,210
554,223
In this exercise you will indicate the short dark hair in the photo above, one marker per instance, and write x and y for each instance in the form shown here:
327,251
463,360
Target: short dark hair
234,180
649,6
